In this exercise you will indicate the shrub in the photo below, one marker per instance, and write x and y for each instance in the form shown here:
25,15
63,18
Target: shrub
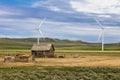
65,73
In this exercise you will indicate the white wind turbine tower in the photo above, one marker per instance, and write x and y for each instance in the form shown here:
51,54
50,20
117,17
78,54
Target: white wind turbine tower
101,34
40,32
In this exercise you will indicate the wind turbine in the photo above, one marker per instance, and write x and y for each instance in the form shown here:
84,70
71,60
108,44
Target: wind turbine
101,34
40,32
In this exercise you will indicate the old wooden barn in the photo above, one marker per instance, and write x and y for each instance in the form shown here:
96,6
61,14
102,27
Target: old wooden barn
43,50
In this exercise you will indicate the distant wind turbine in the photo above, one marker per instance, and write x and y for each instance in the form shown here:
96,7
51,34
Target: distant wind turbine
101,35
40,32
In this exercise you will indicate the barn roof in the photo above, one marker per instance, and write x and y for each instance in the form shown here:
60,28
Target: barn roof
42,47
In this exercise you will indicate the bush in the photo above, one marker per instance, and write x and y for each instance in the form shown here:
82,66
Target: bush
65,73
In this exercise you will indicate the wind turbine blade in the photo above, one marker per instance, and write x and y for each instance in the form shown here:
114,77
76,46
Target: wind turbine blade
100,36
99,23
42,22
41,34
102,33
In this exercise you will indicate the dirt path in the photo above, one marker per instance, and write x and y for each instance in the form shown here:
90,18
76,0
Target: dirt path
102,61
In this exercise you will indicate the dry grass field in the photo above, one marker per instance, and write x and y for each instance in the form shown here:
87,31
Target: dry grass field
85,61
72,59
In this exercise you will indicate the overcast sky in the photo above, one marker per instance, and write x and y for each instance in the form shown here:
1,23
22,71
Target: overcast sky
65,19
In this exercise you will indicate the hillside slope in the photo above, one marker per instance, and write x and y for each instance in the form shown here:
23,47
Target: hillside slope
26,44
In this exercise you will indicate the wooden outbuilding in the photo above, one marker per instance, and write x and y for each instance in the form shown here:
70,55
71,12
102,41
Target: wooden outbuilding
43,50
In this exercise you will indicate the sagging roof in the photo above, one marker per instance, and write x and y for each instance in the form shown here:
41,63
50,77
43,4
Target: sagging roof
42,47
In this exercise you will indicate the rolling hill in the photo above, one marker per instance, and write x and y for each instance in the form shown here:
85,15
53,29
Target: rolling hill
26,43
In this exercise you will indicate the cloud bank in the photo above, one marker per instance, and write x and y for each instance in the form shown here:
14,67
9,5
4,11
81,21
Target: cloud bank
70,19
